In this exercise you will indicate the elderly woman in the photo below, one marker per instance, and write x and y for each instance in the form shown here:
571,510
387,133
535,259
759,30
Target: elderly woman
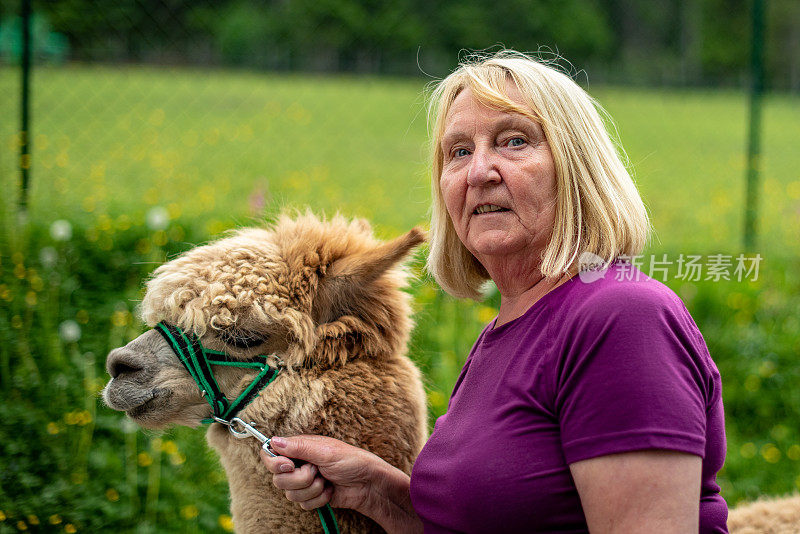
590,403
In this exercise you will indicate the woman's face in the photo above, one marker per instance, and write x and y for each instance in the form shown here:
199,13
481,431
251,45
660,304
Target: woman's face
498,180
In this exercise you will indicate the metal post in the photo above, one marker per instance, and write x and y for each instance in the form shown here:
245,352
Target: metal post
754,139
24,133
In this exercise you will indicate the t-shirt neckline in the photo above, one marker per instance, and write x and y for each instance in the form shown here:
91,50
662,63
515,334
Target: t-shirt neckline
539,303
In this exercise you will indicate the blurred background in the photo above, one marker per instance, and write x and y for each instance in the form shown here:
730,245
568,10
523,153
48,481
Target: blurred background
155,125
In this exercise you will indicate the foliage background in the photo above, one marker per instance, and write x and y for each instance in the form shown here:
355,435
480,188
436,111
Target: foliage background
158,125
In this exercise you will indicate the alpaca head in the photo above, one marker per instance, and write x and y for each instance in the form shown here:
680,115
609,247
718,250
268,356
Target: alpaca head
312,292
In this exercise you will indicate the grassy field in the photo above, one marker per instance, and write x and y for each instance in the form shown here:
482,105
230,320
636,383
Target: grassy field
117,141
222,149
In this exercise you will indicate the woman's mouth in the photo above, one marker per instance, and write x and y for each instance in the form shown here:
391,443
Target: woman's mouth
488,208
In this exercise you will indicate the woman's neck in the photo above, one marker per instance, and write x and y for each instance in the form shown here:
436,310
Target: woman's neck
515,301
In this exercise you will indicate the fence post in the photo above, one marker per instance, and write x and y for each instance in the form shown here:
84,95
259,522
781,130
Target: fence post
754,138
24,133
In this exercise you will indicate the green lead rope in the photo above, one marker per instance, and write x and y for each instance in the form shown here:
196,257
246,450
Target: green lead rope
198,361
328,520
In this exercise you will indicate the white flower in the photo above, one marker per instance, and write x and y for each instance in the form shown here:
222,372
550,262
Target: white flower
128,426
48,257
158,218
69,331
61,230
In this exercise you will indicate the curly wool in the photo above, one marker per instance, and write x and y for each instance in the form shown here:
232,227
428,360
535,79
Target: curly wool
766,516
326,296
260,276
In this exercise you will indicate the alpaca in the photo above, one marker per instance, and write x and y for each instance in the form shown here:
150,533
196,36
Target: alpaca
324,299
766,516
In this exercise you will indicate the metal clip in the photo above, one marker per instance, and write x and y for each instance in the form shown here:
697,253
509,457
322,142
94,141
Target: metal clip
248,430
221,421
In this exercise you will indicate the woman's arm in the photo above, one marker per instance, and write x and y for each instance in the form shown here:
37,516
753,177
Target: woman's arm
356,479
643,491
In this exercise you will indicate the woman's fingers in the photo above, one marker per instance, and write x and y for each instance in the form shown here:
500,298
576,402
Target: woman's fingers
277,464
312,491
300,478
304,487
319,450
318,502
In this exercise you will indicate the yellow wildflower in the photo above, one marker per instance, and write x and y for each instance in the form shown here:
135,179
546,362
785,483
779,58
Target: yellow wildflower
226,522
771,453
486,314
120,318
748,450
189,511
436,399
752,383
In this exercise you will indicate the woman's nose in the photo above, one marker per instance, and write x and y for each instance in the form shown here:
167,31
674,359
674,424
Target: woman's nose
483,168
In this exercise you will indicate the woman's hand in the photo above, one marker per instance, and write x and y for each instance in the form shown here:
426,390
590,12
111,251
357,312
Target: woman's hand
345,467
343,476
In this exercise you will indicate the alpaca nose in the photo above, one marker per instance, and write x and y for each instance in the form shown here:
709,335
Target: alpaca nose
123,361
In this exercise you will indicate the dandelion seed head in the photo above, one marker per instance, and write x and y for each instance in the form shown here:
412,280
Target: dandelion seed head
157,218
69,331
128,426
48,257
61,230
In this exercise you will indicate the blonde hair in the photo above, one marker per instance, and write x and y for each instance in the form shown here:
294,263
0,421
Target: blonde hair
598,209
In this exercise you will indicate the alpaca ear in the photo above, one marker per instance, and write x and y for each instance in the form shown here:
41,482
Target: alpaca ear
348,279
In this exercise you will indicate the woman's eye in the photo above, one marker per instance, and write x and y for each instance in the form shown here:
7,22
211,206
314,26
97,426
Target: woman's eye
460,152
516,141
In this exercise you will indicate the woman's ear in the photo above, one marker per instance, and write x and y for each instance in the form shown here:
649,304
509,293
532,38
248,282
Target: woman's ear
345,286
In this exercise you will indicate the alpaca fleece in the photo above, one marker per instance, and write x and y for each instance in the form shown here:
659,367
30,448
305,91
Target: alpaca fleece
766,516
324,296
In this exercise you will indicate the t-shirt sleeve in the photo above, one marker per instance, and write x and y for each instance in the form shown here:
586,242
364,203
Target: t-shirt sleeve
632,374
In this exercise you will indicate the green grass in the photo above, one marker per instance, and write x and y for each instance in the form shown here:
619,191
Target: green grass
220,149
117,140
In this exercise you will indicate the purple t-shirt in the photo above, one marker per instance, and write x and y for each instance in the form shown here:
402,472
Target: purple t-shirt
591,369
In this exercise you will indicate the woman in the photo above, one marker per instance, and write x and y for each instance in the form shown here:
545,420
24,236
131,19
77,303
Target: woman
590,402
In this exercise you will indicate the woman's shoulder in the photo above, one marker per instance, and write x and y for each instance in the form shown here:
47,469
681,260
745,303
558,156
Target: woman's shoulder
621,299
620,287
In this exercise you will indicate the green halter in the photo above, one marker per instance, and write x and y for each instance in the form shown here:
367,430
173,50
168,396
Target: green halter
198,361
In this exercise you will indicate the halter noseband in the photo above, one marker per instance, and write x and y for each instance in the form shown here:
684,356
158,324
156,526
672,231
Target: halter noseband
198,361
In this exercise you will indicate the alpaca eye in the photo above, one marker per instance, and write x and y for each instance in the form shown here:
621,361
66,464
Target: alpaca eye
243,339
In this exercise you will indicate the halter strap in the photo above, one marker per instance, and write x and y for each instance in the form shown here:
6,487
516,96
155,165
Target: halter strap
198,361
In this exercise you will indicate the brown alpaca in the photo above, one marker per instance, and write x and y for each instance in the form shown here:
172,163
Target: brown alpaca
766,516
325,297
